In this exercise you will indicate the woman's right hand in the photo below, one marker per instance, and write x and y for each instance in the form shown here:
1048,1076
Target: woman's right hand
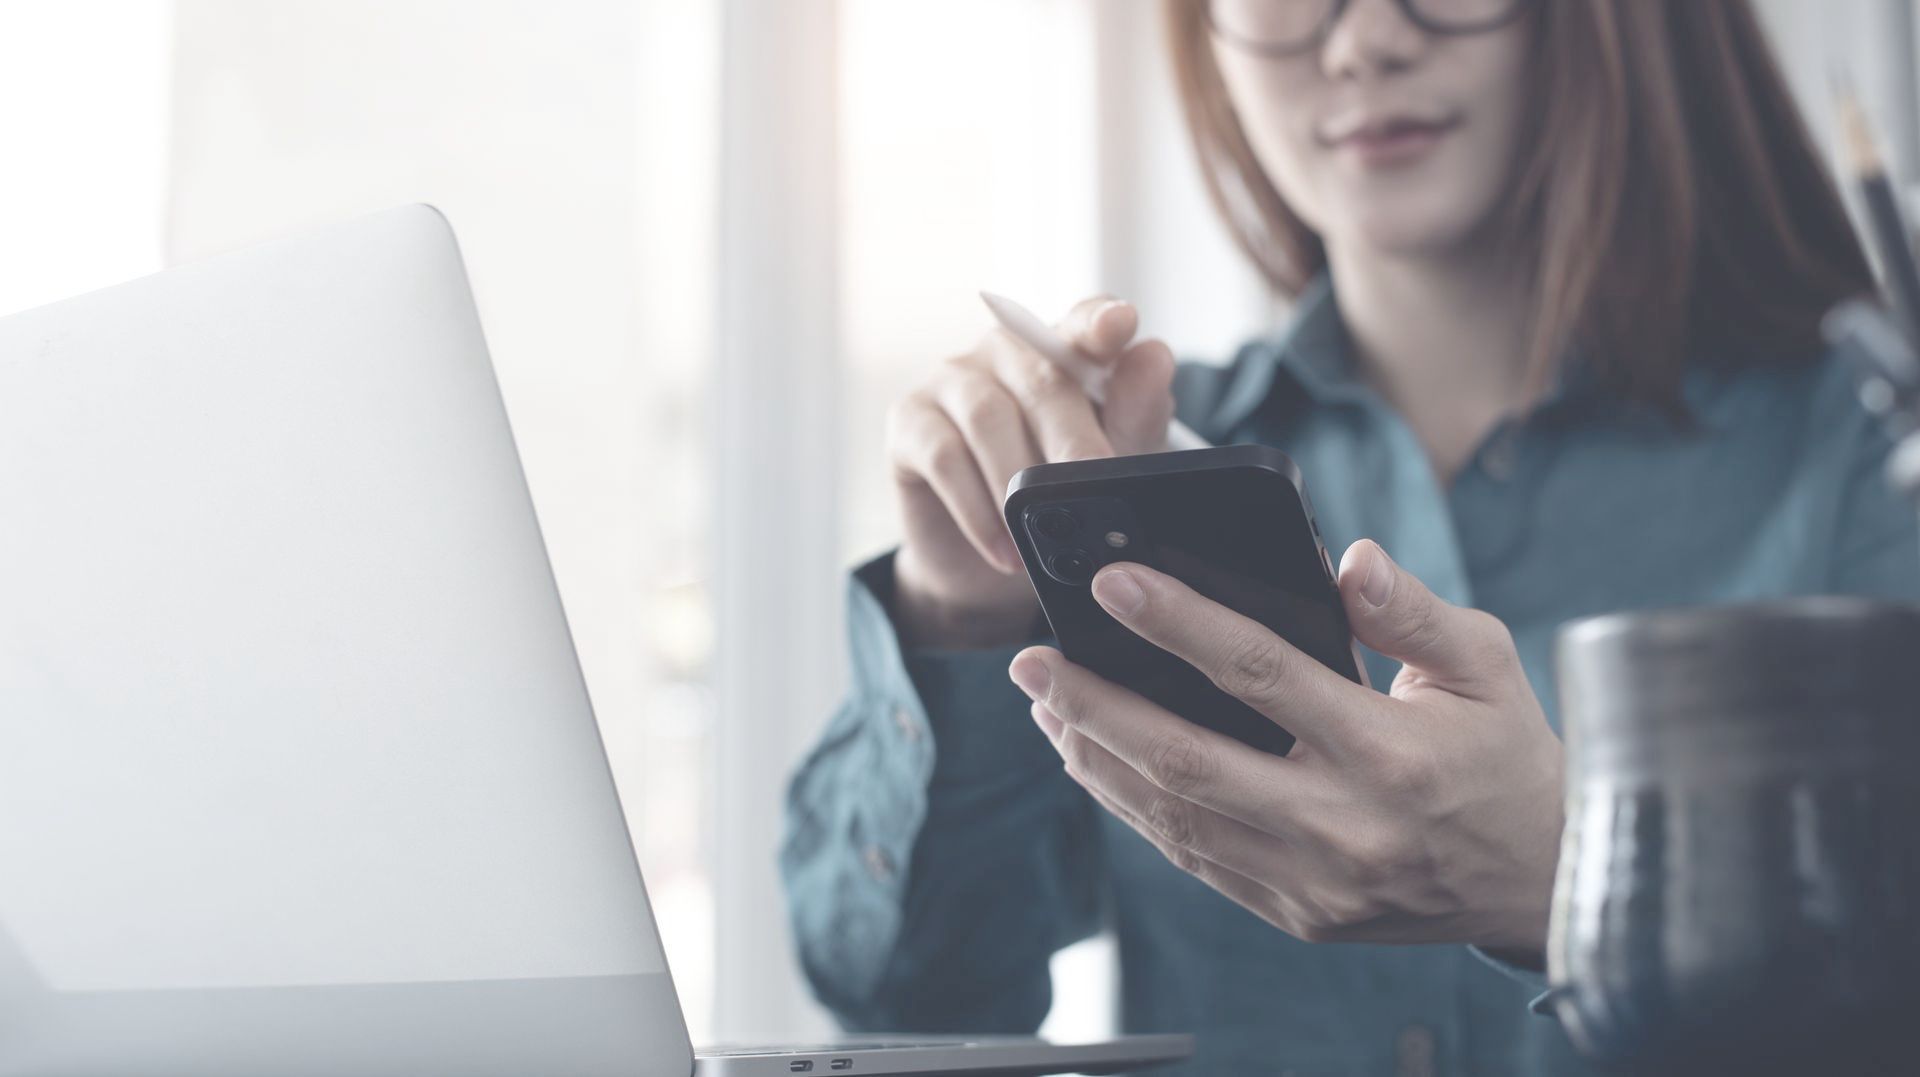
955,441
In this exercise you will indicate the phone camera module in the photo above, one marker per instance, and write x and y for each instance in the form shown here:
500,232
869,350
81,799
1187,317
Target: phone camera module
1056,524
1074,567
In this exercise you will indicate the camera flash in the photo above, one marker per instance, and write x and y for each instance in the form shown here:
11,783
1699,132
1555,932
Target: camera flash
1116,539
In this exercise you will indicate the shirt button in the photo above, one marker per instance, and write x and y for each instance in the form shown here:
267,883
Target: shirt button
879,864
1414,1052
903,721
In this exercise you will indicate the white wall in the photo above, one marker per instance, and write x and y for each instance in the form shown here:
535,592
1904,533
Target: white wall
83,134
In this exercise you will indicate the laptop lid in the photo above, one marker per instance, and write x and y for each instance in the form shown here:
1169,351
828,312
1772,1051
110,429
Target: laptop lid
298,774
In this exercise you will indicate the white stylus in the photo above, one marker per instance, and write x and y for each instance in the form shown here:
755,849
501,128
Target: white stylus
1092,377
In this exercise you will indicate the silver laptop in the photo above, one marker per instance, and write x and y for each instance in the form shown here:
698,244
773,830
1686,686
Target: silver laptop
297,772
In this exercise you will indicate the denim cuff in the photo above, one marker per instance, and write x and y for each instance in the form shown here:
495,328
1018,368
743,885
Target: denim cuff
977,720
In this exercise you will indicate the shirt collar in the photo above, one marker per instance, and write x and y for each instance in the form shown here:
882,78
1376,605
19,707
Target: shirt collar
1314,356
1312,353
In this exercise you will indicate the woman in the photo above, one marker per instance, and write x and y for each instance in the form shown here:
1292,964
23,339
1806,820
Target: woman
1557,269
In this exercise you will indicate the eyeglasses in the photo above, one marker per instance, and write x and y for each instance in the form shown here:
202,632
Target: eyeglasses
1291,27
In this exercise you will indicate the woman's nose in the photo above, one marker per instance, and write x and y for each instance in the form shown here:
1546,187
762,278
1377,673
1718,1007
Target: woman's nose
1371,38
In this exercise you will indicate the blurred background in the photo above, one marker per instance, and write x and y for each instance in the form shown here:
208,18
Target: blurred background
711,240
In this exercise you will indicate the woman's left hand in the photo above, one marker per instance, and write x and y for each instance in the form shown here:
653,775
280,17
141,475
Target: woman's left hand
1430,815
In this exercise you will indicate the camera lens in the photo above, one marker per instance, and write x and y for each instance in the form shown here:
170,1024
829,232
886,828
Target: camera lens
1056,524
1071,566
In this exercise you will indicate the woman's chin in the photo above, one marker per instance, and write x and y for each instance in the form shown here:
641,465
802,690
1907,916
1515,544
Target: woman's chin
1405,235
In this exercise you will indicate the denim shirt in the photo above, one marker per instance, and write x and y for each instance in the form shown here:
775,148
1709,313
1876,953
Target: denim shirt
937,855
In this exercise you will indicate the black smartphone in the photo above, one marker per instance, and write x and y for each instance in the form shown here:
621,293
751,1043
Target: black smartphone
1232,523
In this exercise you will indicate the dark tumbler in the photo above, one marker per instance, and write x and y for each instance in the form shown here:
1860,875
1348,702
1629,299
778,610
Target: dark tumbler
1739,884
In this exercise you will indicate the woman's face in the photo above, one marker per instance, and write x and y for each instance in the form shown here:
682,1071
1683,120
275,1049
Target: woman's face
1386,136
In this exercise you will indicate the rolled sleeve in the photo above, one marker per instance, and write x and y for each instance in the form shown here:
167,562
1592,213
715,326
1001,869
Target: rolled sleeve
931,805
957,705
853,810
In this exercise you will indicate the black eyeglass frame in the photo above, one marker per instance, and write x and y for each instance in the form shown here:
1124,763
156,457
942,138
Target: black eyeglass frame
1338,8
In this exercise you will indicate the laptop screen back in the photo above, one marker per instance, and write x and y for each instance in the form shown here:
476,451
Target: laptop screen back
297,771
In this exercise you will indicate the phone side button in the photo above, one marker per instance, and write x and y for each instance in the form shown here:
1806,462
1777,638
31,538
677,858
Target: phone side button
1327,560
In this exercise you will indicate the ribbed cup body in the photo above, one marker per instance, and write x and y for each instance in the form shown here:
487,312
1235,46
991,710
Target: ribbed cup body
1739,883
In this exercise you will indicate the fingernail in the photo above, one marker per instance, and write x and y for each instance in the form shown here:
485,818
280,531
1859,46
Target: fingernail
1118,591
1048,724
1100,311
1378,584
1031,674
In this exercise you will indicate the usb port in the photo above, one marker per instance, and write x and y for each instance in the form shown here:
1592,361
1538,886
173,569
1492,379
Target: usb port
840,1064
801,1066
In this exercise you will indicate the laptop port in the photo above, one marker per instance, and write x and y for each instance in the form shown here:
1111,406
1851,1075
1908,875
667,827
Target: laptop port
840,1064
801,1066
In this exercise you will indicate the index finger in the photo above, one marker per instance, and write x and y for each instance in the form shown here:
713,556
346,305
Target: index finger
1241,656
1186,760
1059,415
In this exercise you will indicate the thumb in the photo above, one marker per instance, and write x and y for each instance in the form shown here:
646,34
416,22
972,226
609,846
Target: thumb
1393,612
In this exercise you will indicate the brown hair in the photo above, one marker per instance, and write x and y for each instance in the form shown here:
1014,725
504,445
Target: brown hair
1671,199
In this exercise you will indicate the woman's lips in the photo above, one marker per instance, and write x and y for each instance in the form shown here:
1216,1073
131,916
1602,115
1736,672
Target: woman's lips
1394,142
